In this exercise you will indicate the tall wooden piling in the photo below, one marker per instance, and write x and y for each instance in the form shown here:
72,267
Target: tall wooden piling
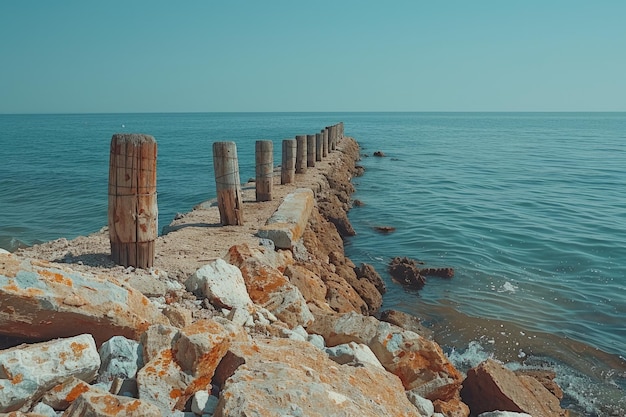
226,166
301,157
318,146
325,142
288,165
133,210
264,155
310,150
332,137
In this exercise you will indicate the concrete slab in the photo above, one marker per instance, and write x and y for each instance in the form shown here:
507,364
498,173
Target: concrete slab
286,226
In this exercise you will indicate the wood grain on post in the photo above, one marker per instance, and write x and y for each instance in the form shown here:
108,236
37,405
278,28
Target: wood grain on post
229,199
301,154
264,155
310,150
318,146
288,166
325,143
133,210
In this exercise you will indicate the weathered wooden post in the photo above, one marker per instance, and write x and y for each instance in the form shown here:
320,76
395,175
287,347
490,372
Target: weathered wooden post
301,154
264,155
318,146
288,166
340,130
133,210
310,150
325,142
226,166
332,134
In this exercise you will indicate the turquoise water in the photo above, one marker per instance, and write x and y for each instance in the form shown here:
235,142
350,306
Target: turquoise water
529,209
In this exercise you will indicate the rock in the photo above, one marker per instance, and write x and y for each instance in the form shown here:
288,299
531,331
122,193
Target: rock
44,410
285,377
96,404
28,371
423,405
452,408
353,354
339,329
174,375
357,203
380,154
147,284
491,387
310,285
420,363
155,339
407,322
42,301
331,208
287,224
62,395
546,377
162,381
437,272
222,283
368,272
203,403
503,414
385,229
120,358
178,316
268,287
406,272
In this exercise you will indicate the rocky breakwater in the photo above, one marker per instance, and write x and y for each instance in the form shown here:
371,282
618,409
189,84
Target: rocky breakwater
281,324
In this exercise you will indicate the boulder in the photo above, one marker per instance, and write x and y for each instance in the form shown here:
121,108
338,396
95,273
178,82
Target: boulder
174,375
406,272
62,395
120,358
222,283
97,404
28,371
287,377
420,363
407,322
368,272
268,287
155,339
354,354
492,387
310,285
41,301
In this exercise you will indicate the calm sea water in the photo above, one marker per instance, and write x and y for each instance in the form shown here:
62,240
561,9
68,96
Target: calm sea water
529,209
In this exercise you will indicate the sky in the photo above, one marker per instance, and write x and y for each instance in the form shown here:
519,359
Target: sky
78,56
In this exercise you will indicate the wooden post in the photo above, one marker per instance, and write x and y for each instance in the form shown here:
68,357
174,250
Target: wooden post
288,166
264,152
340,130
325,142
318,146
310,150
332,137
226,166
301,154
133,210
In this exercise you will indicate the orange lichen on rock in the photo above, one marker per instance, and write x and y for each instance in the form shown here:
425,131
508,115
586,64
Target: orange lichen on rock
56,277
74,392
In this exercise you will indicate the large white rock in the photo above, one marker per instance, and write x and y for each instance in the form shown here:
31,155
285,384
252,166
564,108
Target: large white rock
423,405
354,354
120,357
222,283
28,371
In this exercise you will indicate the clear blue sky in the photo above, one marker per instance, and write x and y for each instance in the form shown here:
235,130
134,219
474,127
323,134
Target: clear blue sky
195,56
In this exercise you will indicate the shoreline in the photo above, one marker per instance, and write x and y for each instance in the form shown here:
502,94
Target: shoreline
196,238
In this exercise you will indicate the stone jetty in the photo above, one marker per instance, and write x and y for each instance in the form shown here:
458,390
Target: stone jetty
265,318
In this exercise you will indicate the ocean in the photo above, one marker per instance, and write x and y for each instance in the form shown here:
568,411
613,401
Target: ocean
528,208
